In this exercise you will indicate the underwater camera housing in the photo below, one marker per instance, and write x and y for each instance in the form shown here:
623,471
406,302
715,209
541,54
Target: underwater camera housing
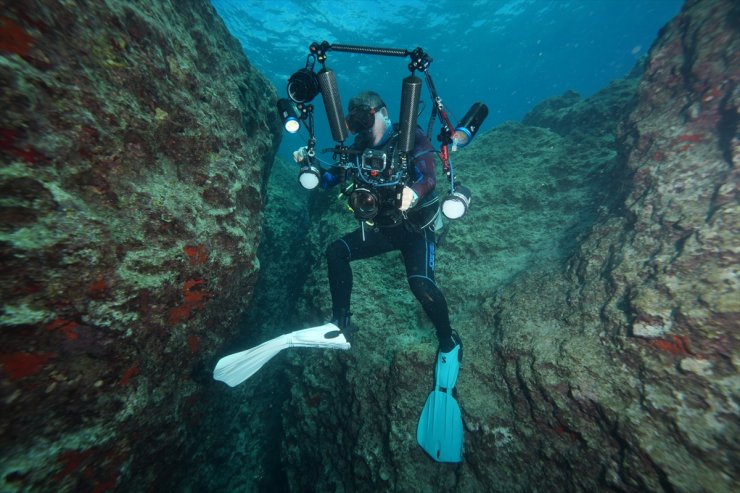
380,168
377,175
375,183
374,161
365,202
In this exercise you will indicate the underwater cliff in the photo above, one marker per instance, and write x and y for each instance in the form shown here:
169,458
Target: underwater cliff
136,145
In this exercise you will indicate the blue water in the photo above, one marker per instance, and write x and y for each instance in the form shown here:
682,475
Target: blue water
509,54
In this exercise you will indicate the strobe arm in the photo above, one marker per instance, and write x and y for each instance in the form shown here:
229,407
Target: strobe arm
419,59
320,50
369,50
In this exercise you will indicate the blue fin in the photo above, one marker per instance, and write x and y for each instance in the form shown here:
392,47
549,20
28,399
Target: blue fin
440,430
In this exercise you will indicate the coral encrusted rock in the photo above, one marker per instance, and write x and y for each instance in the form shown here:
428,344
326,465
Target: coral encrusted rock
594,282
135,140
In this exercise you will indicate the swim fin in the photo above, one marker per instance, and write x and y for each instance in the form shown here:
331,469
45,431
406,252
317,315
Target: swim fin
235,368
440,430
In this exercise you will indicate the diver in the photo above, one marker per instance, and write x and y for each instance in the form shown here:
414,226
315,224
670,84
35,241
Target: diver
407,225
388,175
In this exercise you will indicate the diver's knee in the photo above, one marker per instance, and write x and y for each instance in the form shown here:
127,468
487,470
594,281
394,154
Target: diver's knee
421,287
337,252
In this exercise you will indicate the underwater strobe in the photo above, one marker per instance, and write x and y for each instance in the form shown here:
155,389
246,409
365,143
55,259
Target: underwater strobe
456,204
291,114
309,175
469,125
288,115
303,85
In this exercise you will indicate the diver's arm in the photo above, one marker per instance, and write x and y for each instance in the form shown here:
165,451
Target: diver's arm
329,179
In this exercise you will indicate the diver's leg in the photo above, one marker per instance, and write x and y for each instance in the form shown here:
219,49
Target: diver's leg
418,249
353,246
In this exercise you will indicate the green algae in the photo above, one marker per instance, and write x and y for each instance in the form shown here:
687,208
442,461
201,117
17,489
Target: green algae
146,269
111,315
22,315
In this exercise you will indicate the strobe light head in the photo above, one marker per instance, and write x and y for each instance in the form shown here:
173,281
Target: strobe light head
470,124
309,176
288,115
303,86
456,204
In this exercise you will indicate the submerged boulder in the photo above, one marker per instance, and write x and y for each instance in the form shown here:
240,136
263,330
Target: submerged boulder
136,143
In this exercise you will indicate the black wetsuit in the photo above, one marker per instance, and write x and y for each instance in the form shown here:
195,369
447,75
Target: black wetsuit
411,233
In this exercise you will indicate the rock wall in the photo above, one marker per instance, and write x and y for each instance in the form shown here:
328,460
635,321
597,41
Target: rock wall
594,282
246,456
136,142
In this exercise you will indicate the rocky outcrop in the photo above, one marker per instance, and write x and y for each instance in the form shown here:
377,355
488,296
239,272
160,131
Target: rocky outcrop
594,283
135,141
625,377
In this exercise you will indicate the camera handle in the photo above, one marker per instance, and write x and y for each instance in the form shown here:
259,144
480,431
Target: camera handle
341,150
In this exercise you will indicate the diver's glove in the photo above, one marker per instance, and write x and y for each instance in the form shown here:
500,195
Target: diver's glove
408,198
328,180
300,154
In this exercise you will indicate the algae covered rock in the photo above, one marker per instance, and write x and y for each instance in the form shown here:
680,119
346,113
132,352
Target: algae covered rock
621,370
136,142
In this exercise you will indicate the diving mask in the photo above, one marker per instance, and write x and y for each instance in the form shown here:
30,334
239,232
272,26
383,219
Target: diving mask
361,118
